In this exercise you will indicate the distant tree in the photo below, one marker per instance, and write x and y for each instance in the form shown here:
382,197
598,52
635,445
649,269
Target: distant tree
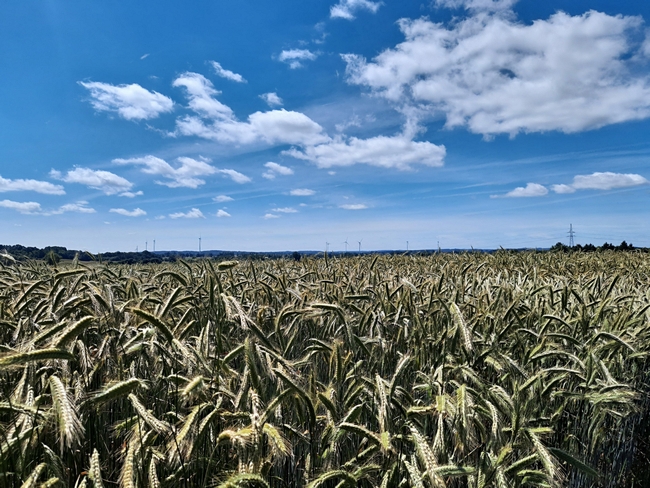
296,256
559,247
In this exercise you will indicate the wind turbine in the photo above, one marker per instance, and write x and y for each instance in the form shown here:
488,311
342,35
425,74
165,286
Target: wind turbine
199,243
327,246
407,246
346,244
360,244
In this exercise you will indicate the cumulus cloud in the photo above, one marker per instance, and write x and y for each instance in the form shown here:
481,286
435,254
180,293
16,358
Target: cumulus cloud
105,181
345,8
302,192
495,75
270,216
216,121
285,210
274,169
138,212
223,198
601,181
131,102
235,176
30,185
194,213
530,190
227,74
130,194
185,175
387,152
22,207
295,57
354,206
222,213
78,207
201,93
273,127
272,99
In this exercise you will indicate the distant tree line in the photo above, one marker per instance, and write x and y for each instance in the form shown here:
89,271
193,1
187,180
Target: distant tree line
623,246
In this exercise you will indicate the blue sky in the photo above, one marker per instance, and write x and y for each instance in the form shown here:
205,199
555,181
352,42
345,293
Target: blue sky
291,124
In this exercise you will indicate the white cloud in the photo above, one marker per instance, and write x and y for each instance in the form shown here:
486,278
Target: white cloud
354,206
79,207
227,74
478,5
30,185
531,190
387,152
222,213
235,176
22,207
195,213
275,169
131,102
270,216
285,210
273,127
272,99
217,121
302,192
184,175
563,188
295,57
222,198
105,181
495,75
138,212
601,181
130,194
345,8
201,93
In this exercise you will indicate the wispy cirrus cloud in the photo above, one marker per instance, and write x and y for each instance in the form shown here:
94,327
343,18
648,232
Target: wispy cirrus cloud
354,206
275,169
131,102
105,181
37,186
138,212
227,74
185,175
346,9
270,216
194,213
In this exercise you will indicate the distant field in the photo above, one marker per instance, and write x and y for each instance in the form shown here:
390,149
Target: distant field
466,370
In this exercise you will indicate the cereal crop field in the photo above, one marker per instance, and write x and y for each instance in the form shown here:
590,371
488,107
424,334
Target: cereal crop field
467,370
